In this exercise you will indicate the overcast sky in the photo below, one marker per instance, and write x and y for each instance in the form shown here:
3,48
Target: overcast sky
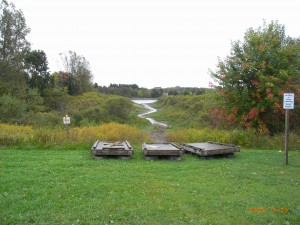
151,43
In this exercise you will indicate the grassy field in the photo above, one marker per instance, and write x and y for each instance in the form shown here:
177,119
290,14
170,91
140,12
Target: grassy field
69,187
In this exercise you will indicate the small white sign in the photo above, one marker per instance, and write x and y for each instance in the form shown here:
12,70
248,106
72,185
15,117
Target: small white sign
67,120
288,101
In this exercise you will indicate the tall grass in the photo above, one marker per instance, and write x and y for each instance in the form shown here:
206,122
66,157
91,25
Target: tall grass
247,138
84,137
14,134
78,137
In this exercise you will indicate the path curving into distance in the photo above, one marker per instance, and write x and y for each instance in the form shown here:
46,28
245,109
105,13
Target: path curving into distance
144,103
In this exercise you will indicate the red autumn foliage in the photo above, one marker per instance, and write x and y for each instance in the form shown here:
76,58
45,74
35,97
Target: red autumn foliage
254,77
255,82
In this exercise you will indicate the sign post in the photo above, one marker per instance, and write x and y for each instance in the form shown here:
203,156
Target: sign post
67,121
288,103
286,137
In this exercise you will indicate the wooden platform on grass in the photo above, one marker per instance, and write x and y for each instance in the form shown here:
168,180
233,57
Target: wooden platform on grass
152,151
207,149
119,149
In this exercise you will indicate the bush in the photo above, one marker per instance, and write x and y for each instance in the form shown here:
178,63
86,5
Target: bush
11,109
118,107
43,119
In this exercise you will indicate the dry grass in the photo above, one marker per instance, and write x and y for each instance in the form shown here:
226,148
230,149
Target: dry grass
78,137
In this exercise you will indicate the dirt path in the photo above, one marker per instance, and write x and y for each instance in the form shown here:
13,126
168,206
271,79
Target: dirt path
158,134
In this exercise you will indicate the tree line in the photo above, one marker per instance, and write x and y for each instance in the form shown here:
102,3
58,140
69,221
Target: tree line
134,91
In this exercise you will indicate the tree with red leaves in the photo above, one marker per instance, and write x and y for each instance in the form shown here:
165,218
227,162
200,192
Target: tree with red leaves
252,79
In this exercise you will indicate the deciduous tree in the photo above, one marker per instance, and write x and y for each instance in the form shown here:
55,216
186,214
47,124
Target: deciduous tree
13,82
254,77
79,67
37,67
13,32
66,80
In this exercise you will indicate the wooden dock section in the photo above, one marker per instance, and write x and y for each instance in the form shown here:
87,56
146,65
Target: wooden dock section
210,149
152,151
119,149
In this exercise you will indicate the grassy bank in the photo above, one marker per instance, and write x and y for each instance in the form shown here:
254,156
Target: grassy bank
68,187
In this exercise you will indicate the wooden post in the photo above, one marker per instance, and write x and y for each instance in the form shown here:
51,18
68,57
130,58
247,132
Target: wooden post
286,137
288,103
67,127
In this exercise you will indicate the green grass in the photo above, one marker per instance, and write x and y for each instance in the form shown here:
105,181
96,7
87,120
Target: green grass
69,187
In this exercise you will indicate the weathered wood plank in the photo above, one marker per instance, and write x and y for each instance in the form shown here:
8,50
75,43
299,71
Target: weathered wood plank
108,148
210,148
161,149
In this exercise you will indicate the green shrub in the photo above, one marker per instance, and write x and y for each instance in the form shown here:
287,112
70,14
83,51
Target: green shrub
11,109
43,119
